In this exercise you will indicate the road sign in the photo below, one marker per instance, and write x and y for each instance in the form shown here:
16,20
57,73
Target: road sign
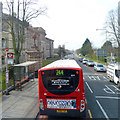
7,49
10,61
101,52
9,58
10,55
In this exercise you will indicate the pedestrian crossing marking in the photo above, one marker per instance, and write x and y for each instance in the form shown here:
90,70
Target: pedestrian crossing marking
95,77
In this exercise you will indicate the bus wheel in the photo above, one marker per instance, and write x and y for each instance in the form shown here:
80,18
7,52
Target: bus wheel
110,80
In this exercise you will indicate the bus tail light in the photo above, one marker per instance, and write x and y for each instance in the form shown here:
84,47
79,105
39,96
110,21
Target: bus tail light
41,104
82,106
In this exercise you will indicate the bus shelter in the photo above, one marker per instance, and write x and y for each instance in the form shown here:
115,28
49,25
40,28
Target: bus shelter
24,72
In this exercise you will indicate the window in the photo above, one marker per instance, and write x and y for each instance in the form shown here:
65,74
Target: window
3,43
60,81
5,27
3,60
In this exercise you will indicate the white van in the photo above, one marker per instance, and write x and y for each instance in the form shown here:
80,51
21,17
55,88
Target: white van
113,72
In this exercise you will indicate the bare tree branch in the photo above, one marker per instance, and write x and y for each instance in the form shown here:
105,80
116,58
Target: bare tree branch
112,27
19,19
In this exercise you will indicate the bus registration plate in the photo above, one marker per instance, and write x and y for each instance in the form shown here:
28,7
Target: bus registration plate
61,104
62,111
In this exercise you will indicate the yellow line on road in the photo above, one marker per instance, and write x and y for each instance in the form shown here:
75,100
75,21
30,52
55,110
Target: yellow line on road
89,113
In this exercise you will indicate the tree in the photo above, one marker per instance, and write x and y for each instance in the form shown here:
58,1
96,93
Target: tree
86,48
19,20
61,51
108,46
112,27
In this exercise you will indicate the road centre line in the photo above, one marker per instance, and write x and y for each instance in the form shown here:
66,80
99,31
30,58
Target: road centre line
106,116
89,87
107,97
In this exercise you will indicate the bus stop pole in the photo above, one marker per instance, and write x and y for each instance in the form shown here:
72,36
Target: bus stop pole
7,78
13,79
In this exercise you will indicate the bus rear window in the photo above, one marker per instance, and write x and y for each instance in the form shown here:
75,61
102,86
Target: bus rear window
60,81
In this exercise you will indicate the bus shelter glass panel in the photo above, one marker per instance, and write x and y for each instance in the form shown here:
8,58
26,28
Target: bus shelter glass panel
19,73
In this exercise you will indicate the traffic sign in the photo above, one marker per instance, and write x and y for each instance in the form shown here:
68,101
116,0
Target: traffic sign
101,52
7,49
10,55
9,58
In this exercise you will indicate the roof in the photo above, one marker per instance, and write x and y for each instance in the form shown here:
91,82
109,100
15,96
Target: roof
26,63
63,63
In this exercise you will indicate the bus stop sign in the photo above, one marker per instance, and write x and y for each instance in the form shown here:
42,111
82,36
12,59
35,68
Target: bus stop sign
10,58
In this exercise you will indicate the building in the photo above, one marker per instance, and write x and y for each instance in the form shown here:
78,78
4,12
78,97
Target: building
5,35
35,47
49,48
37,43
0,36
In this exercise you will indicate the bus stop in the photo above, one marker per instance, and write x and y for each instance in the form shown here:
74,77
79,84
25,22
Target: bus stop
24,72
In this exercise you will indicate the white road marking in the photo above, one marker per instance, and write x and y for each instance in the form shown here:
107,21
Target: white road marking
91,77
89,87
107,97
106,116
105,78
108,90
98,77
116,89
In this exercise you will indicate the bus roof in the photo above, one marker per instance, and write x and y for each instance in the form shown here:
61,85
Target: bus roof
26,63
63,63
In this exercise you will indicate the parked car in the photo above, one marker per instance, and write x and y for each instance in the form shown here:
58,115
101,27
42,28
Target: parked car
99,68
81,59
90,63
85,61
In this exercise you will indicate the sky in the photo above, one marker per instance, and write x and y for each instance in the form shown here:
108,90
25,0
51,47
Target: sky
70,22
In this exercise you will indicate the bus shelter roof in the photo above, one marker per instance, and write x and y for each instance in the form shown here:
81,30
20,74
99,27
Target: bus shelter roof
28,63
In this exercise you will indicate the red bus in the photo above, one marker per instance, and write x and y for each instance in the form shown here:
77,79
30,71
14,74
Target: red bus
61,89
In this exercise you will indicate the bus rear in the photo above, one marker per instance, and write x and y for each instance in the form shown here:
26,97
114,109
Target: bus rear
61,92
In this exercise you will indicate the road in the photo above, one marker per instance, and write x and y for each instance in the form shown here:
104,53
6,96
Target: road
102,96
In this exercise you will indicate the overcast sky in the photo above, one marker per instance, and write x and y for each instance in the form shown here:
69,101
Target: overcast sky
70,22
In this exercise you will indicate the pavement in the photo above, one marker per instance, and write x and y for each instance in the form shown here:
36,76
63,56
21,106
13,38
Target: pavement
21,104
